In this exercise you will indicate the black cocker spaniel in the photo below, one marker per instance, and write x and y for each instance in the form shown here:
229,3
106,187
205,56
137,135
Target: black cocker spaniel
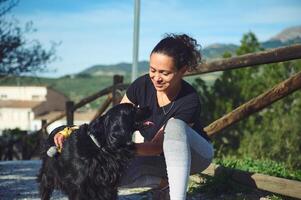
93,157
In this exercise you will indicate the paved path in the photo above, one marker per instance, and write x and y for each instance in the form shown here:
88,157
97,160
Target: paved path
18,181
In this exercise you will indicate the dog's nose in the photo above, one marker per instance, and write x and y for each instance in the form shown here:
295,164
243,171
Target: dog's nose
148,123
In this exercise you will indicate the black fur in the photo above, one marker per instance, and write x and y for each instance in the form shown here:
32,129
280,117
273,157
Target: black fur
85,171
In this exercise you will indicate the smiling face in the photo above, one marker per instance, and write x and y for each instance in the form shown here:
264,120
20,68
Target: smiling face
163,73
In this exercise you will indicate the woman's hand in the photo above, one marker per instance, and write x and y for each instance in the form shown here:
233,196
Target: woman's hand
159,137
152,148
59,140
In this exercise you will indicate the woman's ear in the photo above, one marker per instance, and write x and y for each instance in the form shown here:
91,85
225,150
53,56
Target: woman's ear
183,70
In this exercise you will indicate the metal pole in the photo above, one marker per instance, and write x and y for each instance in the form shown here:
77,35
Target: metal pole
70,113
136,39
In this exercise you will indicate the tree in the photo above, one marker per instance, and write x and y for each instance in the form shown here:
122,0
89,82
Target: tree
274,132
248,44
17,54
230,90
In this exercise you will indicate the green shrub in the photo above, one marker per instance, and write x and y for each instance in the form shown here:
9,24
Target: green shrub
268,167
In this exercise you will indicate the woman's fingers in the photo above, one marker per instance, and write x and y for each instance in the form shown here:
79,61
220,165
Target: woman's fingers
58,140
159,137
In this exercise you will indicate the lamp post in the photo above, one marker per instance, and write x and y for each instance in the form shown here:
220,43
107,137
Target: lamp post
136,39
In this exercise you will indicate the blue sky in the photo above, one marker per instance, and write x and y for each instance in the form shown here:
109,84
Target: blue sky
101,31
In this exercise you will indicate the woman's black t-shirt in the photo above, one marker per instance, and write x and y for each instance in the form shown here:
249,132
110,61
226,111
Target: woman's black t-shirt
186,106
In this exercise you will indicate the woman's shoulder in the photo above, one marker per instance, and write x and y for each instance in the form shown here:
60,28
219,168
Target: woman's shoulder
144,82
188,97
188,90
142,85
144,79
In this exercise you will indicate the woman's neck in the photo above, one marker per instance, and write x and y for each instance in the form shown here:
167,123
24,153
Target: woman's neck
165,97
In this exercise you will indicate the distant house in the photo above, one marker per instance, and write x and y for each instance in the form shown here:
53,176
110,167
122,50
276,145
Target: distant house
22,106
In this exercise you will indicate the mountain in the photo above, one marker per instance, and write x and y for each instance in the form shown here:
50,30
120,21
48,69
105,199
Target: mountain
288,34
217,50
110,70
286,37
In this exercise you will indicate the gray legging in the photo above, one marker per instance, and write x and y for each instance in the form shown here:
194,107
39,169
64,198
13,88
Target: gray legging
185,151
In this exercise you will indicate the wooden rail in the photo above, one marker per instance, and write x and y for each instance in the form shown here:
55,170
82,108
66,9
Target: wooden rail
104,106
264,57
99,94
277,92
272,184
87,100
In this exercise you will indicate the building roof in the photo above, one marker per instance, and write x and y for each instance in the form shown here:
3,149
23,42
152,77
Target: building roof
78,116
19,104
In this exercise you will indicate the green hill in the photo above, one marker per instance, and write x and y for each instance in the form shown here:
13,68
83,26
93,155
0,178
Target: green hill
217,50
119,68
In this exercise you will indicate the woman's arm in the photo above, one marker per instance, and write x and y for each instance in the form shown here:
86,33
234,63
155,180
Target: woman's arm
152,148
155,147
125,99
148,149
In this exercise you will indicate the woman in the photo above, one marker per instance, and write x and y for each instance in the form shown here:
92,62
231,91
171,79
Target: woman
175,130
174,144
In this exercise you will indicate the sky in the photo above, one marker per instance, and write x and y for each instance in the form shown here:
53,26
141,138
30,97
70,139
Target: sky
94,32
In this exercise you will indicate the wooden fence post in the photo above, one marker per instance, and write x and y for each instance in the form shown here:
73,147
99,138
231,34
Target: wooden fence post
70,112
42,136
116,96
43,133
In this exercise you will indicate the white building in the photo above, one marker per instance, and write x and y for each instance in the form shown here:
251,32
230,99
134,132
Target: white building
21,106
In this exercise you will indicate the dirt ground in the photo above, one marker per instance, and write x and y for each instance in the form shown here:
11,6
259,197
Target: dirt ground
18,181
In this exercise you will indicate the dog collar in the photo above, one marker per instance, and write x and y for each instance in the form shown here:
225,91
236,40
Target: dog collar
94,139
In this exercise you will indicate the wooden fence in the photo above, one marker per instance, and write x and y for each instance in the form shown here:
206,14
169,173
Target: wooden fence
260,181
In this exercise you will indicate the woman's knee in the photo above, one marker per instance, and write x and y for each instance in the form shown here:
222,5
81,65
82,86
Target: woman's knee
175,129
177,123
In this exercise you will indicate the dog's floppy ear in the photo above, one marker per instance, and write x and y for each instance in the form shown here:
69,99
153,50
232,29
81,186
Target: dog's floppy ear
96,127
96,120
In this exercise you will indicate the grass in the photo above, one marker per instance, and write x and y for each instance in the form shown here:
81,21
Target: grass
263,166
223,185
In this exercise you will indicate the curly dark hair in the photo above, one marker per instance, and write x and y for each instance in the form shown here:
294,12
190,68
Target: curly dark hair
184,50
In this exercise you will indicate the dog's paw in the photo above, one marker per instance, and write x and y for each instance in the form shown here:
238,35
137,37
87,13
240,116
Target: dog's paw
52,151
